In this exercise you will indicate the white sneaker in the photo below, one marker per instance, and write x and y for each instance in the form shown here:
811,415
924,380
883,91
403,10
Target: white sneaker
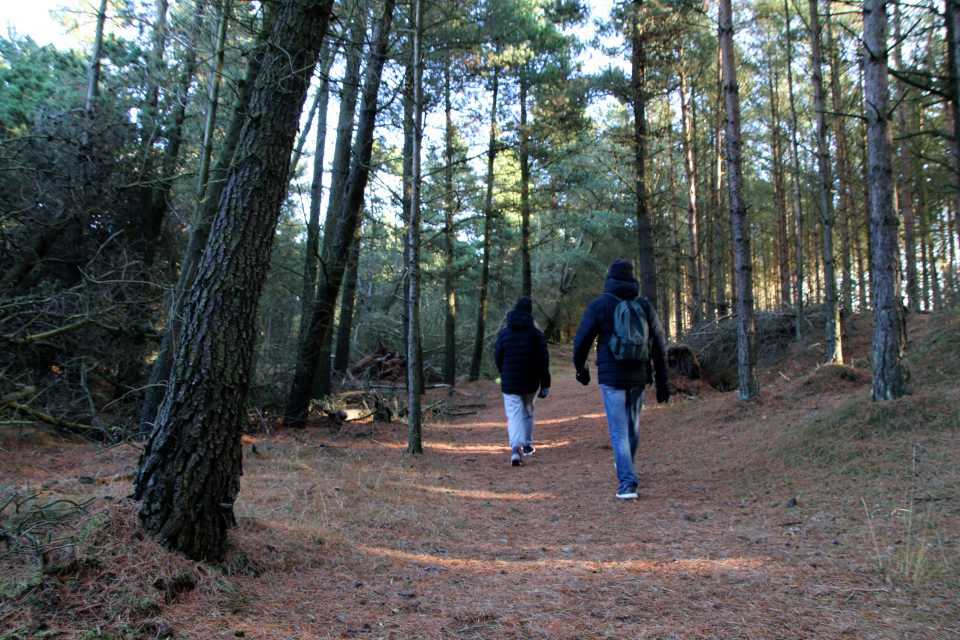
627,494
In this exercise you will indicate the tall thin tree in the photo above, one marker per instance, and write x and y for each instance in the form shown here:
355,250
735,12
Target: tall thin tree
749,385
890,374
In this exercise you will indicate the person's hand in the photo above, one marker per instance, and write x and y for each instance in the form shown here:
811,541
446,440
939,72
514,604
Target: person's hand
663,393
583,376
543,392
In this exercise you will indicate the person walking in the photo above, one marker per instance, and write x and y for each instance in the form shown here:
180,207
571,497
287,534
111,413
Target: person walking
524,366
622,378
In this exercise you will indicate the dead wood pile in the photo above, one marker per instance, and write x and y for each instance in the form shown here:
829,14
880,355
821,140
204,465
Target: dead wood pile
682,361
382,364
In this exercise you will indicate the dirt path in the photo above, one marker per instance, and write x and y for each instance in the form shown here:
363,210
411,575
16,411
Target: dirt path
344,535
471,547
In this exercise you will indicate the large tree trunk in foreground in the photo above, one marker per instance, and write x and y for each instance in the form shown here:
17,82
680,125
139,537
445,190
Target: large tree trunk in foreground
190,469
890,375
749,386
335,258
199,234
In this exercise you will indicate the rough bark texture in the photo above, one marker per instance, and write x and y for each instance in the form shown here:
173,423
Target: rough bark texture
833,347
341,356
477,358
199,234
190,469
749,385
335,259
638,63
890,375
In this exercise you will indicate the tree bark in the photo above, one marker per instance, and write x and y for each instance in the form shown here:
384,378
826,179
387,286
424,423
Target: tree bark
414,369
690,168
190,468
638,64
200,232
213,99
749,385
526,286
477,359
312,249
797,190
341,356
834,338
93,70
335,258
890,374
340,170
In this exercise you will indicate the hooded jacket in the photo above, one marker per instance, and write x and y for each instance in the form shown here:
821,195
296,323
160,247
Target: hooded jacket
597,326
521,355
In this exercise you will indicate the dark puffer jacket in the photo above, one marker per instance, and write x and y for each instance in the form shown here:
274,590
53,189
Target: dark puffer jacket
521,355
597,325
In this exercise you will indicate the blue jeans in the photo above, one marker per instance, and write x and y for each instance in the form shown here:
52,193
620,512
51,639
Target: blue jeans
519,408
623,418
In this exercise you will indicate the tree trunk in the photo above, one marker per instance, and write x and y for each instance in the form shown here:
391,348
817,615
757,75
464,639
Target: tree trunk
690,167
335,258
843,170
677,259
779,194
312,249
213,99
719,234
203,218
340,170
477,359
526,286
906,175
797,191
341,358
749,386
834,338
449,275
414,368
890,374
638,62
93,70
952,20
190,468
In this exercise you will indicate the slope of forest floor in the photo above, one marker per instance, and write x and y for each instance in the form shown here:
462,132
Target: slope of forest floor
807,512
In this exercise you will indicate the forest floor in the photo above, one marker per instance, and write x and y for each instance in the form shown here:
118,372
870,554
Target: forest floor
808,512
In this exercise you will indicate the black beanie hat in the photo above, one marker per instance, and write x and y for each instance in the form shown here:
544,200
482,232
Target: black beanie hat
524,304
621,270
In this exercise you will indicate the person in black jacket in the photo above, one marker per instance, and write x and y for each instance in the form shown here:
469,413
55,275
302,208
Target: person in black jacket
621,382
524,365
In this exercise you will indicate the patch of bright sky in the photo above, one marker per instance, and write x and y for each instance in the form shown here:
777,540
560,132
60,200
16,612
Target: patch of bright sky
33,19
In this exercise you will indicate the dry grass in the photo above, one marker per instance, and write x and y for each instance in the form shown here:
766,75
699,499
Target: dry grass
808,512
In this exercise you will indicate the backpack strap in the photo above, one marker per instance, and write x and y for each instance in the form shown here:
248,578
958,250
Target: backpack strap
607,293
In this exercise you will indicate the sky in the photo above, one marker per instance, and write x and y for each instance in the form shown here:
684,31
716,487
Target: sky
32,18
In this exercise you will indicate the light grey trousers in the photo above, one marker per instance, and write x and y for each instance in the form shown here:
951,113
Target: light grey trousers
519,409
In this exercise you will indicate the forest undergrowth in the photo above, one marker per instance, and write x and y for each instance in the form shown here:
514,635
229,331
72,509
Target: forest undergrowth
806,512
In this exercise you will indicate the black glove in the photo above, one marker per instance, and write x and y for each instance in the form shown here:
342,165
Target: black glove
663,393
543,392
583,376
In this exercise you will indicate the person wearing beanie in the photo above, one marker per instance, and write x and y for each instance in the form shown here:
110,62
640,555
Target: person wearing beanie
622,382
524,365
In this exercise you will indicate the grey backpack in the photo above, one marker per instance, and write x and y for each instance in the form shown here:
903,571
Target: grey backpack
631,332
